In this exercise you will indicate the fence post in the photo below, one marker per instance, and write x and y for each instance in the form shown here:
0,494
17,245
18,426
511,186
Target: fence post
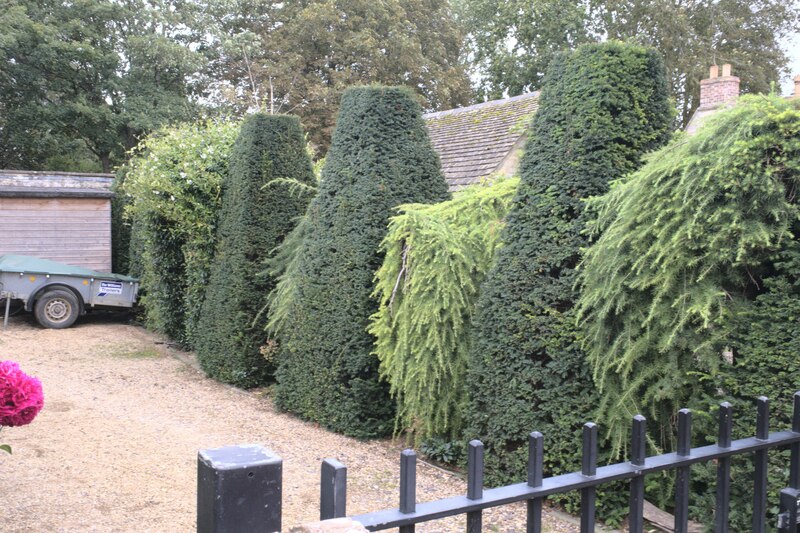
333,490
238,489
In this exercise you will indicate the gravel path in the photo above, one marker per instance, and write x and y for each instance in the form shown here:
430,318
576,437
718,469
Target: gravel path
115,447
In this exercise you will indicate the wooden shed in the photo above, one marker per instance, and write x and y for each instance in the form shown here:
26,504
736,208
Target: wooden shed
61,216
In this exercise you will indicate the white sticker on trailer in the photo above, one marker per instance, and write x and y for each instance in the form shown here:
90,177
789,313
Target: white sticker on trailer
109,287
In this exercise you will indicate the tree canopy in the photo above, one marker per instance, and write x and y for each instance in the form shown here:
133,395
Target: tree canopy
298,57
513,42
93,76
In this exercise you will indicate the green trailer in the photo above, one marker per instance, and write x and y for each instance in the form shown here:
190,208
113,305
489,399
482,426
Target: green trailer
58,294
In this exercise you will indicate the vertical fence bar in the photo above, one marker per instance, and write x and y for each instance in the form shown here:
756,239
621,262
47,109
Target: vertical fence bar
794,467
638,452
723,469
787,519
760,478
408,486
475,484
588,468
535,475
332,490
682,478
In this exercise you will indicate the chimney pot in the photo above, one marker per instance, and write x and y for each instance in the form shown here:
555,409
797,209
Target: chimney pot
716,90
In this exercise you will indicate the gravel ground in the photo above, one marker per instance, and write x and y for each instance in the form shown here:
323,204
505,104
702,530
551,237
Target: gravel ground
115,447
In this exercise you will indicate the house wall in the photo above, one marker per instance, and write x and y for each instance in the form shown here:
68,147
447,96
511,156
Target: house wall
75,231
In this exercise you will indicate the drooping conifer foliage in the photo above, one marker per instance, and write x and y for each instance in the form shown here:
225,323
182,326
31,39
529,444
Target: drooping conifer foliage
601,109
253,221
691,243
690,295
436,257
380,157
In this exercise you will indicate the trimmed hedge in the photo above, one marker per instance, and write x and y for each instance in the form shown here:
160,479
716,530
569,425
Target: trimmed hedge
601,109
380,157
254,220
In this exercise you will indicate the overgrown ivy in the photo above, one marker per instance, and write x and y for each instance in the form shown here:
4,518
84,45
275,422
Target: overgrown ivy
172,190
436,257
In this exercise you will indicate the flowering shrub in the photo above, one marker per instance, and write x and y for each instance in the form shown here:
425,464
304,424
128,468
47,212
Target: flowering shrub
21,397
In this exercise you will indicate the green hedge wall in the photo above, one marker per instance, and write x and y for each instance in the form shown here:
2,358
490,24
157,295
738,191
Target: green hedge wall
601,109
254,220
380,157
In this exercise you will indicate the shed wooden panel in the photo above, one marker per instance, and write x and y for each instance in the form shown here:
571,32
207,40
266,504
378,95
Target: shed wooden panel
76,231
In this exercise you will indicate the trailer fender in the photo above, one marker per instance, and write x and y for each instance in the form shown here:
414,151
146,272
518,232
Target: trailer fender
52,286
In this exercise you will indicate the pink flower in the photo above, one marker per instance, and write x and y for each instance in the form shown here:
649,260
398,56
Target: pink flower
21,396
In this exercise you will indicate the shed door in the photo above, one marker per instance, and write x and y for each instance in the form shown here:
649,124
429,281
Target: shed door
75,231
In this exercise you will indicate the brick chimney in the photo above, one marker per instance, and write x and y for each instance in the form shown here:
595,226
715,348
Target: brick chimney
796,87
718,90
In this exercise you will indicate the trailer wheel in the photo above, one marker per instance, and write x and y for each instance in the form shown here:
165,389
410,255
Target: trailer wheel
57,309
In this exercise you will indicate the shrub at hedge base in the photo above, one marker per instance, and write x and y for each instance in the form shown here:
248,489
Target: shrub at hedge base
601,109
171,193
253,221
380,157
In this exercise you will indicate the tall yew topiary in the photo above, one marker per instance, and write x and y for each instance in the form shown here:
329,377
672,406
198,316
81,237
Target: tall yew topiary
601,109
380,157
253,221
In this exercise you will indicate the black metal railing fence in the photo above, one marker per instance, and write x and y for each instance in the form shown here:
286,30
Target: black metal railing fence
333,489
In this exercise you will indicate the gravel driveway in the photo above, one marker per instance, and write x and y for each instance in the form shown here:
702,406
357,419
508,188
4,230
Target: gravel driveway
115,447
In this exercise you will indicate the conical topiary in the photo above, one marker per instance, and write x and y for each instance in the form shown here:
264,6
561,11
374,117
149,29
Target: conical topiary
601,109
253,221
380,157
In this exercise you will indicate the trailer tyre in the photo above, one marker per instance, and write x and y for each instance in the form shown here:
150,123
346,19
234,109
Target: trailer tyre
57,309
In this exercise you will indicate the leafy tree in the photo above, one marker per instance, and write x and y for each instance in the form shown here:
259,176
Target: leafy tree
693,35
513,42
380,157
172,188
687,241
254,220
298,57
100,73
601,109
436,257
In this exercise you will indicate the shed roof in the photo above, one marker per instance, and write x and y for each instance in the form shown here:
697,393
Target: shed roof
472,142
27,184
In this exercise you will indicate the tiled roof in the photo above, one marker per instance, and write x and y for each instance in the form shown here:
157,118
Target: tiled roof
472,142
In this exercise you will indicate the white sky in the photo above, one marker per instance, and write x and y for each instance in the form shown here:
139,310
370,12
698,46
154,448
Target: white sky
793,49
